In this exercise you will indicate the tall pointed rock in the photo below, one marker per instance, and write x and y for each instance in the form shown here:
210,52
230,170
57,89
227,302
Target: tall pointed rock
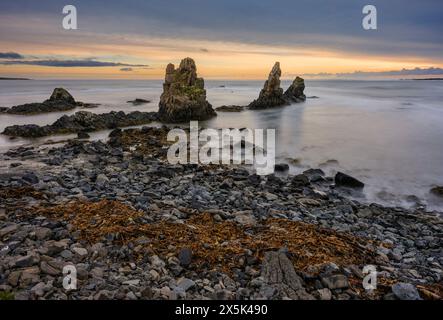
184,95
272,94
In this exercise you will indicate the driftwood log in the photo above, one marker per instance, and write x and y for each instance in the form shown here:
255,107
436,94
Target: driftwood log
279,274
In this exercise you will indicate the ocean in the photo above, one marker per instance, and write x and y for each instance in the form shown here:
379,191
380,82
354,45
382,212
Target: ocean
389,134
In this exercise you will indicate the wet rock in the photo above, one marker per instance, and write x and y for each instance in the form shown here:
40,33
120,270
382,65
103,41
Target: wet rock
281,167
295,91
344,180
300,180
272,94
31,178
184,95
185,257
83,135
405,291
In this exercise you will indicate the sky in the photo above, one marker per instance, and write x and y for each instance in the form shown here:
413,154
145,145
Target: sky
228,39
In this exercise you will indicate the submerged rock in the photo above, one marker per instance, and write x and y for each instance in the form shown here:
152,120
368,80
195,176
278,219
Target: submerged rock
295,91
344,180
184,95
231,108
272,94
138,101
82,121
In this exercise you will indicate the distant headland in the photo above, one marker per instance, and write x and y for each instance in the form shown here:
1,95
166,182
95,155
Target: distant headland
5,78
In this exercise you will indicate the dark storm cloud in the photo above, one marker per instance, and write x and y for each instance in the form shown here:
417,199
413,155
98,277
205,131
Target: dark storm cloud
405,27
10,55
69,63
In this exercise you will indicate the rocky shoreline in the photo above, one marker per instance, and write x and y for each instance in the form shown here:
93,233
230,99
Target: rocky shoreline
137,227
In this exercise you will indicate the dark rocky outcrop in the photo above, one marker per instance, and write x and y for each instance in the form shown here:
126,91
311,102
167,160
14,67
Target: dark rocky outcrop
344,180
295,91
184,95
138,101
231,108
272,94
82,121
60,100
437,191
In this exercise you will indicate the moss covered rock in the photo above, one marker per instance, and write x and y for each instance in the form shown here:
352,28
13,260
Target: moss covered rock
184,95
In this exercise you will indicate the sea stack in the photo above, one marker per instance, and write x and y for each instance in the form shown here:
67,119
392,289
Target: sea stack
272,94
184,95
295,90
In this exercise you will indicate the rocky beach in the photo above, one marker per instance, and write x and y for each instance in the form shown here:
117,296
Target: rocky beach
136,227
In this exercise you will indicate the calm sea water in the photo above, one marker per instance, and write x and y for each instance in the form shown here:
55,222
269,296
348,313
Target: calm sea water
389,134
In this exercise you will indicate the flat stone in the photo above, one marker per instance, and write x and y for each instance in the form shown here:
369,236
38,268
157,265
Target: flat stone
43,233
82,252
9,229
26,261
405,291
48,269
185,284
55,247
134,282
338,281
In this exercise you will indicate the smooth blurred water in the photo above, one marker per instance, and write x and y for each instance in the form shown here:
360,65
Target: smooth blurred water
389,134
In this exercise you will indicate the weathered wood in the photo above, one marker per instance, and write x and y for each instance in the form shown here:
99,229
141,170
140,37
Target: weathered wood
279,273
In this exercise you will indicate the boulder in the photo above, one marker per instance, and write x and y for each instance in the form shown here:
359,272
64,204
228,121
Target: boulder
344,180
184,95
295,91
272,94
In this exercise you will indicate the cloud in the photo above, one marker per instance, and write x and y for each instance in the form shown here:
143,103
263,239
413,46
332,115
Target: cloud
126,69
69,63
404,72
10,55
204,50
